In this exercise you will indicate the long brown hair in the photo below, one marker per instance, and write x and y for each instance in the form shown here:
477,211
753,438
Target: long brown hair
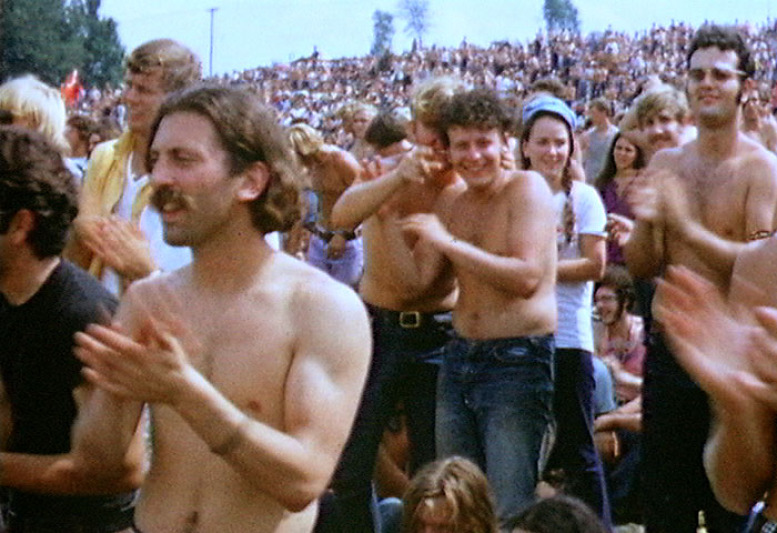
458,485
568,217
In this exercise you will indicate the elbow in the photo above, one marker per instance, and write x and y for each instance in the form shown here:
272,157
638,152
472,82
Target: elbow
340,220
300,497
337,219
730,491
125,477
528,283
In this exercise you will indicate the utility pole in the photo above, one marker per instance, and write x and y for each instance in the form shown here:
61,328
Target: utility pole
210,66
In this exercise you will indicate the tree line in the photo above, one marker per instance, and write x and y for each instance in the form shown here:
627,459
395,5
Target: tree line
50,38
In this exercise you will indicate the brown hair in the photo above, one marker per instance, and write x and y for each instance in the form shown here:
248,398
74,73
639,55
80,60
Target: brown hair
34,177
568,216
460,487
249,133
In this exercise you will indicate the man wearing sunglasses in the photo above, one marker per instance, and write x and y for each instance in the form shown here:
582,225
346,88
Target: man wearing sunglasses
699,205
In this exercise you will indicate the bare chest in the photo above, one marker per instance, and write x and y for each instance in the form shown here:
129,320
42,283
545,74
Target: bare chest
483,224
244,352
717,197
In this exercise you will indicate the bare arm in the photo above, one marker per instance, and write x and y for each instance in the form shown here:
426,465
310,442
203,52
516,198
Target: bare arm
292,463
590,266
643,251
519,267
87,468
365,197
716,348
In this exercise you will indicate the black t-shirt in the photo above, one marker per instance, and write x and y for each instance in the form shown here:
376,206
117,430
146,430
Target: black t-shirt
40,371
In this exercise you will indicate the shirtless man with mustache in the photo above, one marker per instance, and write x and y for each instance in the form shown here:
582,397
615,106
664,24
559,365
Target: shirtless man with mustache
252,362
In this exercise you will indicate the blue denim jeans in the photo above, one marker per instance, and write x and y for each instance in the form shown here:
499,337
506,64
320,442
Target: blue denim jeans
407,350
495,406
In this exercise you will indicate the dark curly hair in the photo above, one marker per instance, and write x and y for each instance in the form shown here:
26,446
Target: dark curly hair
724,38
33,177
478,108
249,132
559,514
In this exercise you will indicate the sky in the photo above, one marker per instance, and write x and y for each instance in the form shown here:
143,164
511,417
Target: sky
250,33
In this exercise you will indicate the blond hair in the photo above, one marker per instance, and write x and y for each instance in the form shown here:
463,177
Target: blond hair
431,96
662,98
40,105
305,139
180,66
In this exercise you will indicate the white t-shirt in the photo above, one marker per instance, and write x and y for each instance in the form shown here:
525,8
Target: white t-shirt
575,300
166,257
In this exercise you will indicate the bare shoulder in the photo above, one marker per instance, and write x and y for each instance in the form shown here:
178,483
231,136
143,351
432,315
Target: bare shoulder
755,161
529,184
344,159
312,294
159,292
670,158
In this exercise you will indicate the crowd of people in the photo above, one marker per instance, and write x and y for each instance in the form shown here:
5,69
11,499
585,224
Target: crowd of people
525,289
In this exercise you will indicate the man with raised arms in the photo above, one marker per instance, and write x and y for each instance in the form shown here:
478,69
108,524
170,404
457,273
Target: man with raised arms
495,400
723,193
410,317
252,362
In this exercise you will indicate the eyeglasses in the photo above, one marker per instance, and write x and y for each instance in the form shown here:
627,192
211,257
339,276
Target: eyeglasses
719,74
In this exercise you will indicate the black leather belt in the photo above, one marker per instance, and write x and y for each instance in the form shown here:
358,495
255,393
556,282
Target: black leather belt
408,319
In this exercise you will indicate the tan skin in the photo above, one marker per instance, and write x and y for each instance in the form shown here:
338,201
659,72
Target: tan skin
757,122
120,244
253,389
331,172
729,347
499,238
422,182
710,194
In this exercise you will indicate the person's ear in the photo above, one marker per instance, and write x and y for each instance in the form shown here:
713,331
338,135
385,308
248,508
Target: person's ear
22,223
253,181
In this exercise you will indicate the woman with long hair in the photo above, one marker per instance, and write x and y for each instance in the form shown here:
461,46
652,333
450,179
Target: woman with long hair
547,143
622,167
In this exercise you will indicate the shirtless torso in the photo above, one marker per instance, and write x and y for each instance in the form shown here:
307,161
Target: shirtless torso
331,174
248,336
733,197
390,279
252,362
507,221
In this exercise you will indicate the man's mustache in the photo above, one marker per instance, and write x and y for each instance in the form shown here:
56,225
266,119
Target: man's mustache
165,195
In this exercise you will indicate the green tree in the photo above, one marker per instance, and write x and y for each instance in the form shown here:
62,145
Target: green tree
382,31
561,15
416,16
49,38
